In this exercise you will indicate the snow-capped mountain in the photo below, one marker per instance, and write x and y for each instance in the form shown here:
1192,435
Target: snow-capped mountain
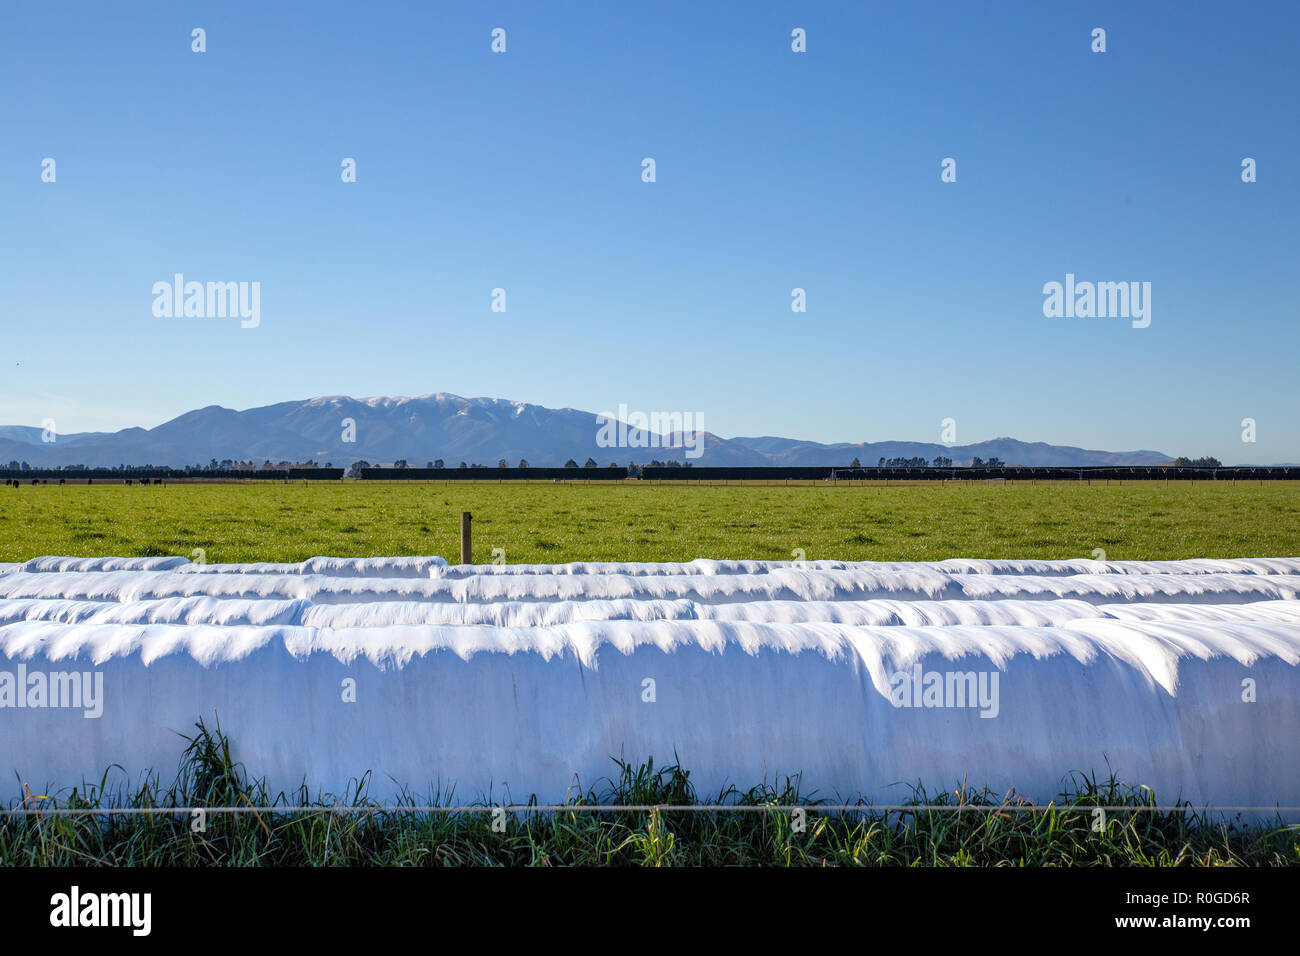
341,430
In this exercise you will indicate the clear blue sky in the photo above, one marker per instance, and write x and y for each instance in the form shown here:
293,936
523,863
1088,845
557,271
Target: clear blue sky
774,170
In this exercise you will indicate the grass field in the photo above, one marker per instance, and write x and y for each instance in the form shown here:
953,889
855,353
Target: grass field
643,522
1004,834
640,522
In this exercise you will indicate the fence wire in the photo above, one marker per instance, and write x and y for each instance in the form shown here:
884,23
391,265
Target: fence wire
519,809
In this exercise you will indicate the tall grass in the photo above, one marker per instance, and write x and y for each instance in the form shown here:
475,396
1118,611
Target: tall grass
666,829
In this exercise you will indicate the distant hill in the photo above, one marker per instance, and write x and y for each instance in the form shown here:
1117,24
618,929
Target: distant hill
474,430
786,451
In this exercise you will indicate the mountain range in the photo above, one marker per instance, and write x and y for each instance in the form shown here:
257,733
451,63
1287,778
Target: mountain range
474,430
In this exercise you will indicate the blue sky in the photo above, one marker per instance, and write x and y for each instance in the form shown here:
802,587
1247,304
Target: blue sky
775,170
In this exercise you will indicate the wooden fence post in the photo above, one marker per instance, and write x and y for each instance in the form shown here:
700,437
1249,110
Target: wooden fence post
466,539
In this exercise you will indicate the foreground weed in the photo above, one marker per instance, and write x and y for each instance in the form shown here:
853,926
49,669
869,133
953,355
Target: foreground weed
668,829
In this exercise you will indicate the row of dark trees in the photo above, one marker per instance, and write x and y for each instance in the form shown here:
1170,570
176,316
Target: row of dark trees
978,462
938,462
402,463
227,464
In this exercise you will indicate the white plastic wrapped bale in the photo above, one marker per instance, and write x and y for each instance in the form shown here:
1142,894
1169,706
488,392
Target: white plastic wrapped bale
505,682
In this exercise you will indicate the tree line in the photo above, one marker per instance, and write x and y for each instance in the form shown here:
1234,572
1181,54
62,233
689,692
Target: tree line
938,462
227,464
355,470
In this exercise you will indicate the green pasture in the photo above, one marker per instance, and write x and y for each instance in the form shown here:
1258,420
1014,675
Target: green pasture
639,521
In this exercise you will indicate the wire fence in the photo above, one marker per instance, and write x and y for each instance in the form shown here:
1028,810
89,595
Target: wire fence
360,810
